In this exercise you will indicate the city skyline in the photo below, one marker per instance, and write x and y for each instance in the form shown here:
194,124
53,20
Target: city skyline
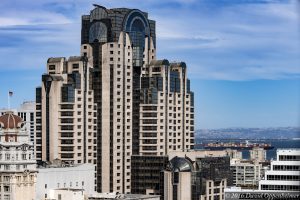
242,56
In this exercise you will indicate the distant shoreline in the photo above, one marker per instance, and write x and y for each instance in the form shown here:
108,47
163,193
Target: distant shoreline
250,139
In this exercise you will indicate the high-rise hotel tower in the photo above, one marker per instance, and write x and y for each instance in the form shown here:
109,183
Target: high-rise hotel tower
143,106
120,42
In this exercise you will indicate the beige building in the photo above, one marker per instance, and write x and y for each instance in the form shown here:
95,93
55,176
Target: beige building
115,100
17,161
246,173
144,107
66,113
258,154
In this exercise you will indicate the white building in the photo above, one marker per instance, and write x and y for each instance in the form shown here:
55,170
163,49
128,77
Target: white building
75,177
284,174
67,194
282,181
17,161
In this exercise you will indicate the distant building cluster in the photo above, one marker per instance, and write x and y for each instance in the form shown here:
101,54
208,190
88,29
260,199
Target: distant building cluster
116,123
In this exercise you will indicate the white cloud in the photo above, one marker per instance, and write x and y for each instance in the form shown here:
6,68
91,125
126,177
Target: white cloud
12,21
228,42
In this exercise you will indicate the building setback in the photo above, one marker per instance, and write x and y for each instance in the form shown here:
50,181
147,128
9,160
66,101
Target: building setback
66,113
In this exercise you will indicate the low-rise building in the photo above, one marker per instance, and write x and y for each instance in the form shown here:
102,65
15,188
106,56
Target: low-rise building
67,194
17,161
246,173
147,171
63,176
197,175
281,181
26,112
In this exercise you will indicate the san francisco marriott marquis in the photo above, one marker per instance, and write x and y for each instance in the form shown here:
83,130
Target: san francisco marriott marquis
113,101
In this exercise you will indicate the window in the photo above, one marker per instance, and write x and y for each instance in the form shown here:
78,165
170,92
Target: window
51,67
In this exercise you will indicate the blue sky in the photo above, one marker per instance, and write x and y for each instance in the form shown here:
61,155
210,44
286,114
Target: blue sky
242,55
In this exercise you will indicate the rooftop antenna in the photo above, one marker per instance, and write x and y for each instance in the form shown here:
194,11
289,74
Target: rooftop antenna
10,93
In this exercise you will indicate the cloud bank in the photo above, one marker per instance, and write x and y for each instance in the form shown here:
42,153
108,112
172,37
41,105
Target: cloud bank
220,40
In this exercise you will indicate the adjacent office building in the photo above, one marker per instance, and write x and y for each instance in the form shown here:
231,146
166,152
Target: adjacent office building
284,174
154,174
66,113
281,181
17,161
202,178
246,173
146,174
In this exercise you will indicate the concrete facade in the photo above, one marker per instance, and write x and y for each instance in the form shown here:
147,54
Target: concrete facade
246,173
66,113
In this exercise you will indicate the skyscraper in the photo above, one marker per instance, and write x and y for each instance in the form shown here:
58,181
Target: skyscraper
139,106
66,113
144,106
121,43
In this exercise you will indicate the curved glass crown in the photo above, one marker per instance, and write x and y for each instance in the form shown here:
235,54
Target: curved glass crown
138,28
98,13
98,32
179,164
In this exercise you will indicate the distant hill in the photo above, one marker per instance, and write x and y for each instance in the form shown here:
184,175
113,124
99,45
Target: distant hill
249,133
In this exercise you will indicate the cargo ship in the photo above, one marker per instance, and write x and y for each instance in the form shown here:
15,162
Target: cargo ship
237,145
